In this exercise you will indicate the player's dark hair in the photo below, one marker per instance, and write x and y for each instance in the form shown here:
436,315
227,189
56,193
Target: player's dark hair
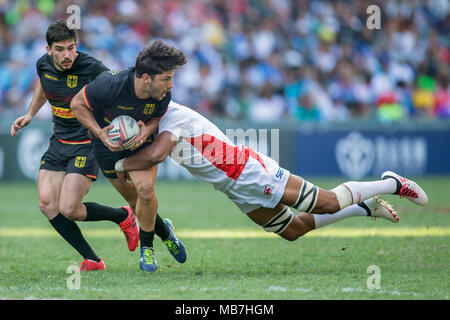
59,31
158,58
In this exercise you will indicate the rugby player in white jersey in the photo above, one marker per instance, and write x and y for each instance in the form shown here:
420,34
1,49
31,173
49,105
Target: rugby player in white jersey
258,185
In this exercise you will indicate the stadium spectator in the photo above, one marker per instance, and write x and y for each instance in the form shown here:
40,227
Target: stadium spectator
442,97
247,43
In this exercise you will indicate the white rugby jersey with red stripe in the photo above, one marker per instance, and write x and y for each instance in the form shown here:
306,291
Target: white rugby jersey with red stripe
203,149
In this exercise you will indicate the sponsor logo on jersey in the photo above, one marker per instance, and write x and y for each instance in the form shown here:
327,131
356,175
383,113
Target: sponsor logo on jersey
50,77
72,81
279,174
149,108
125,108
62,112
80,161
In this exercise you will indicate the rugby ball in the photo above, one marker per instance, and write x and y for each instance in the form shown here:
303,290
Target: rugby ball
124,132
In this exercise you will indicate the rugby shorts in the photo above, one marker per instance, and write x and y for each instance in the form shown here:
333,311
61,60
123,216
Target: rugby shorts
107,159
258,186
71,157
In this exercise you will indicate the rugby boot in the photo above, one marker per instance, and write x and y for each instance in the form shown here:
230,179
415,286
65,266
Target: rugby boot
379,208
148,260
174,245
91,265
407,188
130,229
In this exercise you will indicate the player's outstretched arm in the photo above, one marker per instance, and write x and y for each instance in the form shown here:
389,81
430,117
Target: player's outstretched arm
37,102
149,156
84,115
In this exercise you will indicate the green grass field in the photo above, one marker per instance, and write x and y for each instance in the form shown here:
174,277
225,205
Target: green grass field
229,257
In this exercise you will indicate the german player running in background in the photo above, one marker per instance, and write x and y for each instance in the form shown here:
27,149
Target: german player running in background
142,92
257,185
68,167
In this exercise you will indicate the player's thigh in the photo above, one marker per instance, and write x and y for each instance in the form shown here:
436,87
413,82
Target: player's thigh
326,200
144,181
279,220
75,186
282,221
262,216
49,190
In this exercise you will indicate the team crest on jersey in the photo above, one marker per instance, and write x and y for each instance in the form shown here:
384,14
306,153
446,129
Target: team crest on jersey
72,81
149,108
268,190
80,162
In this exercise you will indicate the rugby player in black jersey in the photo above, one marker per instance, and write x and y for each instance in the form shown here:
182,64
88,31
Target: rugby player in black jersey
69,166
142,92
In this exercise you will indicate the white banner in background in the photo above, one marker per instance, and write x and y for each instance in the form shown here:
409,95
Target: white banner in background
355,155
358,156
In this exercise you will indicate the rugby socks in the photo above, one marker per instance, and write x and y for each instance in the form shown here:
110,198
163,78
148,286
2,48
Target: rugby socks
146,238
161,229
98,212
70,231
322,220
365,207
360,191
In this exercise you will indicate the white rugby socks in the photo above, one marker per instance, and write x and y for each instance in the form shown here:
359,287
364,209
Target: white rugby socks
322,220
360,191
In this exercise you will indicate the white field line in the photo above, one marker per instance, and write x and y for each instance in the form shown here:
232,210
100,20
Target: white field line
347,290
244,233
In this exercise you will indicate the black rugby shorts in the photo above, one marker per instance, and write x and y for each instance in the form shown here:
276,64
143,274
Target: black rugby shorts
107,158
70,157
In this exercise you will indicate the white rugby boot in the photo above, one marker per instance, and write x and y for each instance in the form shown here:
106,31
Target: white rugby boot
378,208
407,188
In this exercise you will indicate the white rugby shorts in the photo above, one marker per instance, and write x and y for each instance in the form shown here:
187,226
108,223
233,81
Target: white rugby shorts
257,187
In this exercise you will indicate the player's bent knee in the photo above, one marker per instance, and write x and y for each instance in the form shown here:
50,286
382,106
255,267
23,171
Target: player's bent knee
70,211
146,191
290,235
294,230
343,196
280,222
48,207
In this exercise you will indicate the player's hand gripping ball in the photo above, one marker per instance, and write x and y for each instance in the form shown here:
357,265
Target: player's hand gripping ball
124,132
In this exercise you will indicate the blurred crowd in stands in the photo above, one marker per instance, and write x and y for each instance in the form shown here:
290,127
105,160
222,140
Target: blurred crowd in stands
259,60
